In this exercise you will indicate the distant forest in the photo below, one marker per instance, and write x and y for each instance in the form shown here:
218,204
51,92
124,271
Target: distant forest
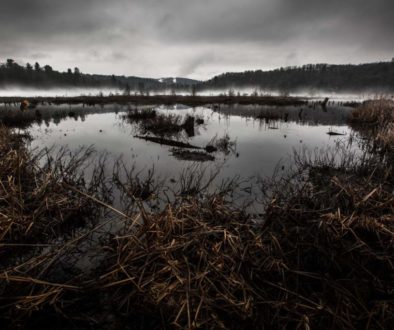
37,76
362,77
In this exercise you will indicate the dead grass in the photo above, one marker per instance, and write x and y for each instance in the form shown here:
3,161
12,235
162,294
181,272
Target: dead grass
35,201
378,113
321,256
374,121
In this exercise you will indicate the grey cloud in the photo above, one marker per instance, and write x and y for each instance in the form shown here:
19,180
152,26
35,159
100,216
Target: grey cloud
280,20
179,37
191,66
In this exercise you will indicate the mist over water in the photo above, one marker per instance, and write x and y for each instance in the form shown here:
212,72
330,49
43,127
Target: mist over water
53,92
18,91
310,94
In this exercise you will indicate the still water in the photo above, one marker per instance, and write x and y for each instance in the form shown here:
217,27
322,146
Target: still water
258,145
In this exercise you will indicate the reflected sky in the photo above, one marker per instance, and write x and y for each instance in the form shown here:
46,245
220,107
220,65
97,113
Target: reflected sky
260,145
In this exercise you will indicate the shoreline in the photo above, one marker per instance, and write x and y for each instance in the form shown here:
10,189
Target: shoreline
161,99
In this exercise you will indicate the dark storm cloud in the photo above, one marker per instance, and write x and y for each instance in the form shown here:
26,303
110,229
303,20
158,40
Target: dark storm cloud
43,21
280,20
200,38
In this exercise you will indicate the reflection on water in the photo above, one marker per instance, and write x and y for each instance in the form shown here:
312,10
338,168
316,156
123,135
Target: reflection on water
259,144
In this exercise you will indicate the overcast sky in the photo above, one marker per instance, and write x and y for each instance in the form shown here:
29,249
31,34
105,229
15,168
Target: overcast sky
194,38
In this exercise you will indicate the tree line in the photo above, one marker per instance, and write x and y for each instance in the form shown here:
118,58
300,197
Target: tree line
312,76
38,76
11,73
362,77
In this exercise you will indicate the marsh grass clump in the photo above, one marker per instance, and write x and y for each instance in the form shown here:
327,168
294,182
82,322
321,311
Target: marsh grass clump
377,112
334,235
134,185
163,125
44,200
385,139
36,201
223,144
374,121
192,264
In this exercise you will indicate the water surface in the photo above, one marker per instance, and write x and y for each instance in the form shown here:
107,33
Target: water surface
260,145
